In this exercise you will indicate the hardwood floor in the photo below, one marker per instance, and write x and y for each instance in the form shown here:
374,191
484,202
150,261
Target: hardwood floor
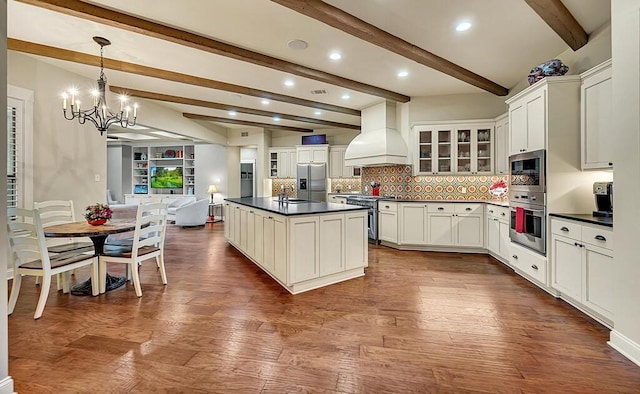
417,322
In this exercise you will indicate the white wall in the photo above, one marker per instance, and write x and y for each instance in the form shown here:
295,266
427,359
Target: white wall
233,172
67,156
625,18
118,173
255,138
6,383
334,137
211,168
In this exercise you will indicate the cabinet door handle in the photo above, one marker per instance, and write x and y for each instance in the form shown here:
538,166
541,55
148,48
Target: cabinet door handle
515,256
535,267
491,211
564,229
468,209
250,211
610,163
600,238
503,214
386,206
440,209
269,217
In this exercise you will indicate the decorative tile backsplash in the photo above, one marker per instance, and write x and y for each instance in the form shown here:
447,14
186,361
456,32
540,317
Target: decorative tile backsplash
399,181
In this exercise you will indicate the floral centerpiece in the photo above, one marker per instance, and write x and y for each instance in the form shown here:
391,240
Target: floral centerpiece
98,214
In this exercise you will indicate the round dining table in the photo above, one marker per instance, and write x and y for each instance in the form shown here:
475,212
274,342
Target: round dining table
98,235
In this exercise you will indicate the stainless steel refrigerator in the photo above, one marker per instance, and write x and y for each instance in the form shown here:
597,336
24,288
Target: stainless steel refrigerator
312,181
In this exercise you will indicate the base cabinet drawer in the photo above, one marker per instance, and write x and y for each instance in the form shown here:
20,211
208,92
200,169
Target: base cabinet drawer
530,263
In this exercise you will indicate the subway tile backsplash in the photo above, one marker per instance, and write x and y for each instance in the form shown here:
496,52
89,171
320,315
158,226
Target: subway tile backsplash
399,181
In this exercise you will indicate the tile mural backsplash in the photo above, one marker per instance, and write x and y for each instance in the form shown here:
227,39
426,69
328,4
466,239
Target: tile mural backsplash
399,181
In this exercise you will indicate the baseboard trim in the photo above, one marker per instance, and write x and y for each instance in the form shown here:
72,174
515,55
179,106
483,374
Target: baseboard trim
625,346
6,385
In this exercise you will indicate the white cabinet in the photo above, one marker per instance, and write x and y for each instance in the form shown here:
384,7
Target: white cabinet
413,223
332,248
596,117
501,137
458,224
582,266
527,121
388,221
312,153
356,242
337,199
463,148
337,169
282,163
498,232
529,264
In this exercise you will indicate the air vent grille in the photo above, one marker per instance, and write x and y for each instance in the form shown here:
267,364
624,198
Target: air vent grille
319,91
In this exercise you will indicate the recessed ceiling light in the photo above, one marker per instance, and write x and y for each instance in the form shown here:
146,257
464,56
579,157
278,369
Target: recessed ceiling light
317,113
265,102
335,56
462,26
232,113
288,82
403,74
276,118
346,96
297,45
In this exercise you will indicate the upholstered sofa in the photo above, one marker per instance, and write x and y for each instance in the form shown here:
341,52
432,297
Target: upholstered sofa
192,214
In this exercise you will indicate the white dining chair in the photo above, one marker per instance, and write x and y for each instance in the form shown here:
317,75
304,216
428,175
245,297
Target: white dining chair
28,251
148,242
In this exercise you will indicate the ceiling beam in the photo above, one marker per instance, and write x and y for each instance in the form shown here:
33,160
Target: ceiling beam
82,58
245,123
348,23
134,24
226,107
558,17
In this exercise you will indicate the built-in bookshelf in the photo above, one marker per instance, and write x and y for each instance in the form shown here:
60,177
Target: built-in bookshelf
163,169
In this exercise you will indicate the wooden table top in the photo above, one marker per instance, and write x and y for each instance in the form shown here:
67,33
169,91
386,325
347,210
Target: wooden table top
84,229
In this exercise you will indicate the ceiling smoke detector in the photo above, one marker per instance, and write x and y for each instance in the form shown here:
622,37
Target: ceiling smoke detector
297,45
319,91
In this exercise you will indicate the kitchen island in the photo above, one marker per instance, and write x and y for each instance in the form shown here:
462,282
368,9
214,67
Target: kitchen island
303,245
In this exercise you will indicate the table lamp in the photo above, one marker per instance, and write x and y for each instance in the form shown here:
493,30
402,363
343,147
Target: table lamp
212,190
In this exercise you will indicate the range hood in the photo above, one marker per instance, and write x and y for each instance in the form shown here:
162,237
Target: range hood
379,143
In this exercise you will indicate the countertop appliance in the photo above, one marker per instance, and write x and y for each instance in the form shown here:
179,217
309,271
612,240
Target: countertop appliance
527,172
370,202
312,181
603,193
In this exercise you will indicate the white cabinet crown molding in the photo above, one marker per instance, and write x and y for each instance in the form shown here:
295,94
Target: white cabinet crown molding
541,84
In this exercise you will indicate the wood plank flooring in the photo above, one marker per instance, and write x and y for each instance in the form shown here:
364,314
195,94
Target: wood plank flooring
416,323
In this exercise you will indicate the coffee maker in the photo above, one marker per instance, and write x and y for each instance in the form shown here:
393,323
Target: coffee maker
603,192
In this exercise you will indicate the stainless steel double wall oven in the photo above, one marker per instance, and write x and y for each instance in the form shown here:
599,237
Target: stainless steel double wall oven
527,200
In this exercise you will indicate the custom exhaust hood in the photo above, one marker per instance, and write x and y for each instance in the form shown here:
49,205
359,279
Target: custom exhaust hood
379,143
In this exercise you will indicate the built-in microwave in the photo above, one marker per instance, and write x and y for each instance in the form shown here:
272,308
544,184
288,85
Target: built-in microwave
527,172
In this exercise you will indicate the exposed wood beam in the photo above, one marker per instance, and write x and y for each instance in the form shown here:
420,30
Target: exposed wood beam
142,26
558,17
226,107
83,58
348,23
245,122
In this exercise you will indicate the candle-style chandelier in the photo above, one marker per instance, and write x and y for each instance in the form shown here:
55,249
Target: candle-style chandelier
99,114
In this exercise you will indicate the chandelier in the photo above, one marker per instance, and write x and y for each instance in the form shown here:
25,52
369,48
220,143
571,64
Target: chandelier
99,114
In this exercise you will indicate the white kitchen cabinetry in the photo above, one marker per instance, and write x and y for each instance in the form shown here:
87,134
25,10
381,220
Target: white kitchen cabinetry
282,163
582,266
462,148
301,252
501,137
596,117
498,232
529,264
388,221
413,220
337,198
337,169
455,224
545,106
312,153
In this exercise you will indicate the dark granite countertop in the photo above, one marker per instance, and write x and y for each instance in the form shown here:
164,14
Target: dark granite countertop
271,204
586,217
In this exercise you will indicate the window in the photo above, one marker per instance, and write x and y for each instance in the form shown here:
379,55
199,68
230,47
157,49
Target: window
19,147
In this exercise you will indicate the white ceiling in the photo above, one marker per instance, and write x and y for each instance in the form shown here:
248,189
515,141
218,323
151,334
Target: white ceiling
506,40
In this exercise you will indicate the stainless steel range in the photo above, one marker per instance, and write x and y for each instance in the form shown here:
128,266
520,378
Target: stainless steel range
370,202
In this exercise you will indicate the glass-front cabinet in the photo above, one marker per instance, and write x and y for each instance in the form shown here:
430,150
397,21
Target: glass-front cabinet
454,149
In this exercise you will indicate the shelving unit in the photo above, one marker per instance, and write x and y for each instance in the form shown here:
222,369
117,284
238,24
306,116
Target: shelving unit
147,160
